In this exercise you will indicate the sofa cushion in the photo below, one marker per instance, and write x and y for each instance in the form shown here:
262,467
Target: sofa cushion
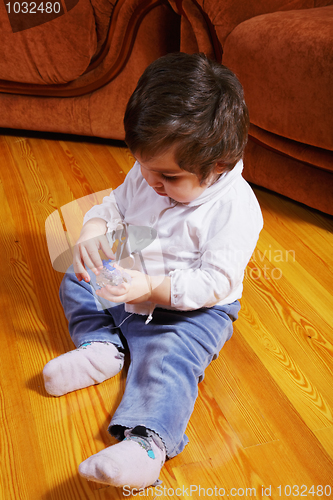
285,62
225,15
46,47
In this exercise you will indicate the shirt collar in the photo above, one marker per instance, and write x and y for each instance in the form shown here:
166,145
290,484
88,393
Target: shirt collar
220,187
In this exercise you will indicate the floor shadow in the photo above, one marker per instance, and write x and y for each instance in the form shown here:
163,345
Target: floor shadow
282,205
77,488
57,136
36,384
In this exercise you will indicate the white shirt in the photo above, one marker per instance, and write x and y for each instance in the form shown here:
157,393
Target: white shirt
203,246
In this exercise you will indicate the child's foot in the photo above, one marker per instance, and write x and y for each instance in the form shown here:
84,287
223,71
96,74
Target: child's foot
135,462
90,364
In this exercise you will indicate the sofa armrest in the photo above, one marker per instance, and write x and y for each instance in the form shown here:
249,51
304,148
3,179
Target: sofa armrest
218,18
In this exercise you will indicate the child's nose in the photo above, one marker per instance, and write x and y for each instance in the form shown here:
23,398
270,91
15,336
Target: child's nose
153,179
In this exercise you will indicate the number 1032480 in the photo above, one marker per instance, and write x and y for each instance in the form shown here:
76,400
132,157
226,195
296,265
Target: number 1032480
304,491
33,7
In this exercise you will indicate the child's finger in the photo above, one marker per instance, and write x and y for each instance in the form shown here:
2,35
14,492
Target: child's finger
107,249
118,290
117,266
123,269
78,266
84,277
114,293
91,259
80,271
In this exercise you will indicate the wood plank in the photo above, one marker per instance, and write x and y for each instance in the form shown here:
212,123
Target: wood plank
73,213
311,400
325,437
305,232
246,370
30,204
234,394
282,264
58,243
18,317
98,163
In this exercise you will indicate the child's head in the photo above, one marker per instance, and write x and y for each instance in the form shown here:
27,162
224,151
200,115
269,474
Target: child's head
193,106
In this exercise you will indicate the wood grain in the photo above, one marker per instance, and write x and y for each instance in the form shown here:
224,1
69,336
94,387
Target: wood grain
264,415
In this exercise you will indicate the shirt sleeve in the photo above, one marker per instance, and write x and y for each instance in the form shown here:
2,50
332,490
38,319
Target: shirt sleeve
108,210
113,207
225,254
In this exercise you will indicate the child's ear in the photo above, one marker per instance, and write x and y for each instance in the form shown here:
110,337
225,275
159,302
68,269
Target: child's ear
220,167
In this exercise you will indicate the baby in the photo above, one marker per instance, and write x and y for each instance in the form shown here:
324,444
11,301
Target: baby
186,125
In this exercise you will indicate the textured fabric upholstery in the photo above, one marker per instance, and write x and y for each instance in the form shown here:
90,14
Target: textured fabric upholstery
281,51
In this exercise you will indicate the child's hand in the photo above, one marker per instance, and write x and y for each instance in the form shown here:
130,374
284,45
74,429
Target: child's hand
139,290
86,250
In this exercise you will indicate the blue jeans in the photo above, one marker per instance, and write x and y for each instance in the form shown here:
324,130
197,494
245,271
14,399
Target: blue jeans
168,356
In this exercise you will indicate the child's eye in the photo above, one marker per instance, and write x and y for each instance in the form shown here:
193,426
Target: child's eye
168,178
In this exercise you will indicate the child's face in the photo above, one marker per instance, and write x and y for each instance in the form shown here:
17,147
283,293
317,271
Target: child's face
167,179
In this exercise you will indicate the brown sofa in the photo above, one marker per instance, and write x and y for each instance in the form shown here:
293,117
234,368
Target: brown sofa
75,72
281,50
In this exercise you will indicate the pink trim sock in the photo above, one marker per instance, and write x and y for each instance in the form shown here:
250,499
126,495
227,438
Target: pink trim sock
135,462
90,364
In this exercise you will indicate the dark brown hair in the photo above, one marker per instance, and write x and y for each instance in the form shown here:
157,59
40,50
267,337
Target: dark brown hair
192,104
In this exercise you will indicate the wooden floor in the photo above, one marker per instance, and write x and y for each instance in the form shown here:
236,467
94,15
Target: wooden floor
263,422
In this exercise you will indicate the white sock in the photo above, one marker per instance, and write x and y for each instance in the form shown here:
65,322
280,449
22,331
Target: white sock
135,462
90,364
